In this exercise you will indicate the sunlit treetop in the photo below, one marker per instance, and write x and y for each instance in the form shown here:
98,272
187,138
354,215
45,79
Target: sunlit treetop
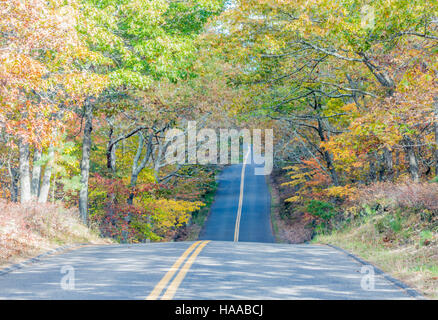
145,40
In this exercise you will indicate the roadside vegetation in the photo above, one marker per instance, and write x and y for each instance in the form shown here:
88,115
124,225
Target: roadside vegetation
192,230
29,230
394,227
88,92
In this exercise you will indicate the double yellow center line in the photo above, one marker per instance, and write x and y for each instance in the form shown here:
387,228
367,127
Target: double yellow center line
173,287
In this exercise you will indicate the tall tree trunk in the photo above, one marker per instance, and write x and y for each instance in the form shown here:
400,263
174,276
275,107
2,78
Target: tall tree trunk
327,155
36,174
413,162
157,164
373,172
436,134
381,167
136,166
388,165
14,177
85,162
45,185
25,195
111,165
111,152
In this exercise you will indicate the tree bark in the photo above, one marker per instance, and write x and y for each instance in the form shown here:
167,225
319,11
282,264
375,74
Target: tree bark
136,166
327,155
111,152
436,134
25,194
397,163
389,164
373,172
36,174
45,185
85,162
14,177
413,162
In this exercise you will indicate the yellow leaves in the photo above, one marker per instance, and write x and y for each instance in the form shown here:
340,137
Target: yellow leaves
297,177
20,67
343,192
350,107
172,213
294,199
294,182
81,85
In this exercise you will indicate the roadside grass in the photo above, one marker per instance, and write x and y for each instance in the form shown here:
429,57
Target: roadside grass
275,210
397,242
30,229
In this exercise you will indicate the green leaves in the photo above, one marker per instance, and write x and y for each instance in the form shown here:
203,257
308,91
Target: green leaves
145,39
124,77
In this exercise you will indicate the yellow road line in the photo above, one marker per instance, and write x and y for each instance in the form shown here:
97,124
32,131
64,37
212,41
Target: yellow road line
163,282
239,208
173,287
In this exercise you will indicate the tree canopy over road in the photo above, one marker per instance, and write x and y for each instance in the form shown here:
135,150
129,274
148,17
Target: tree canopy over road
89,89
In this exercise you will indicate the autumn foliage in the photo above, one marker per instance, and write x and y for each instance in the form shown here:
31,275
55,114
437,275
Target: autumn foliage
87,94
350,87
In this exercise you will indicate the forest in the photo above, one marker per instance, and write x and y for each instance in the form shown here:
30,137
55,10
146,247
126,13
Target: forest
89,89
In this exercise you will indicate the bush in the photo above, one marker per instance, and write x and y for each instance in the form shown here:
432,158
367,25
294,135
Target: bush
409,195
321,209
323,212
149,217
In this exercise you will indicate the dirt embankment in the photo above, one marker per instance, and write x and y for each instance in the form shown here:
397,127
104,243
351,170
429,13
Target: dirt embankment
289,225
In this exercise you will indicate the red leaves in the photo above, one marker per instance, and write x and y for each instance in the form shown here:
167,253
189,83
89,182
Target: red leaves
113,214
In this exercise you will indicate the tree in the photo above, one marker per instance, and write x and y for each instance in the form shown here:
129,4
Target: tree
351,89
145,41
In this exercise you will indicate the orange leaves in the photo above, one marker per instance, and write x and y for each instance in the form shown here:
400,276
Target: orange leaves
308,179
38,73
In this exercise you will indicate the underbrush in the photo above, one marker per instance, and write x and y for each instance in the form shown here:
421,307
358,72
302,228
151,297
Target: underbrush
290,224
193,228
396,228
30,229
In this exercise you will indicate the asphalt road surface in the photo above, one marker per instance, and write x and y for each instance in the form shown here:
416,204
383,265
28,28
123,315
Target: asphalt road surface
236,259
255,225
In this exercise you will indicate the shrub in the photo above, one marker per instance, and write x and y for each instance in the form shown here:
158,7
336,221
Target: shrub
321,209
408,195
149,217
323,212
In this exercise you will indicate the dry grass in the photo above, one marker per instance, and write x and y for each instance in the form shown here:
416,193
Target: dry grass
396,228
28,230
414,264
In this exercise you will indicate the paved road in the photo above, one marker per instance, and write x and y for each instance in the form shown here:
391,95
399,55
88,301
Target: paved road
221,270
249,266
255,225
